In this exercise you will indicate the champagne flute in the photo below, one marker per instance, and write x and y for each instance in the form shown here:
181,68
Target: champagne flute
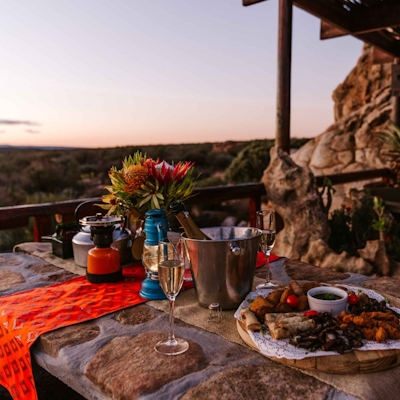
265,221
171,268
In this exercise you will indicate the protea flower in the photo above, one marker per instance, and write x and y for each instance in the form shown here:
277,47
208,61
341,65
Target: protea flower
165,173
135,176
145,184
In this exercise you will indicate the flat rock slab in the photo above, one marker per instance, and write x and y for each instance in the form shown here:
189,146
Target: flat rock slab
268,381
135,315
9,279
128,367
52,342
386,286
299,270
10,259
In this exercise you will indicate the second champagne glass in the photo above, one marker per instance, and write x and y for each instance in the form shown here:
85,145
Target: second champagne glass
171,268
265,221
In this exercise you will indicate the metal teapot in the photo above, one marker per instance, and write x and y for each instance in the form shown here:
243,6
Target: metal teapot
82,242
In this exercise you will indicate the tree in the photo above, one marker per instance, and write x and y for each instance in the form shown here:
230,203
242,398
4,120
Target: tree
250,163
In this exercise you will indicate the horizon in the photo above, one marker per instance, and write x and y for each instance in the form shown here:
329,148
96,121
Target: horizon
100,74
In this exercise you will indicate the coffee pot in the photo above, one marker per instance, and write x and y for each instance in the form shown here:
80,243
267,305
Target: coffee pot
82,241
103,260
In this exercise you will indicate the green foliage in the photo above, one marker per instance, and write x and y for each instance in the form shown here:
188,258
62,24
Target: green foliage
392,139
351,228
251,162
393,242
10,237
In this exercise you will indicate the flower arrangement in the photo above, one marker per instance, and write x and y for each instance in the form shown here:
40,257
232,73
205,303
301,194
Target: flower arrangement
145,184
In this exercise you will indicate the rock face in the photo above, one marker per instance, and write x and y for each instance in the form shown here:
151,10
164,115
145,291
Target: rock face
293,194
319,253
362,108
375,253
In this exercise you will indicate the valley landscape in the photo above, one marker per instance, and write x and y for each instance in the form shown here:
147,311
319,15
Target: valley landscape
39,175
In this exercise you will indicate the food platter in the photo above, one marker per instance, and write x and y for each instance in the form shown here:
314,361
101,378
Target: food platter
372,357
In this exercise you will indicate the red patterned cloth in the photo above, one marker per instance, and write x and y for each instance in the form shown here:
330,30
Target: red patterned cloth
261,259
27,315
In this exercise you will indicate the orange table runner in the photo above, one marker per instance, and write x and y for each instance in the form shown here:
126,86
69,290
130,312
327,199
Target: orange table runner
26,315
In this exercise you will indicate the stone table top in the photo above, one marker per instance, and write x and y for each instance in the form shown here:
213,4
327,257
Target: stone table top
112,357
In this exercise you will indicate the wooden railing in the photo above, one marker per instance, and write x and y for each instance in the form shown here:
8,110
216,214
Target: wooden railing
43,214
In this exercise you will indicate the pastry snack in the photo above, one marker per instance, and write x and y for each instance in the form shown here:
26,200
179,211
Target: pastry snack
250,320
293,298
287,325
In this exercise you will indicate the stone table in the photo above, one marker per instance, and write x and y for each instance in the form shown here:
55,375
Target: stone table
112,357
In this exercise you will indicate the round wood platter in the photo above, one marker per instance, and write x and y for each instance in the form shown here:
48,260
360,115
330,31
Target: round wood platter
354,362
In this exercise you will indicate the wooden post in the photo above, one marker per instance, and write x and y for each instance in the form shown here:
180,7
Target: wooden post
395,116
282,138
41,227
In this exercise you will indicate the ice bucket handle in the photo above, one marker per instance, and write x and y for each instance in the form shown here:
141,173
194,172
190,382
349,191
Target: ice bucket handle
235,249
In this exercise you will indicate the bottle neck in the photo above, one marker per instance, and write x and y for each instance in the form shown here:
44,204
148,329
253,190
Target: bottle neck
191,229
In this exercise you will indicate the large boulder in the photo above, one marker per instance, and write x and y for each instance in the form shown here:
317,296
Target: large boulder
293,194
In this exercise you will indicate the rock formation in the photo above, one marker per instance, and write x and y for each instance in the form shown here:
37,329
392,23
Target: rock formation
293,194
362,108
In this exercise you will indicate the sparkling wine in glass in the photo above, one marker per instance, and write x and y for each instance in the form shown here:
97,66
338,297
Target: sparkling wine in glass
265,221
171,268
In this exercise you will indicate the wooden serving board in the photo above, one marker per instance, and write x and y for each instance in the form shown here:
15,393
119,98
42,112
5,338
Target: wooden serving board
354,362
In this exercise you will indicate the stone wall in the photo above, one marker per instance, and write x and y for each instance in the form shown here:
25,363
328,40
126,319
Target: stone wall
362,107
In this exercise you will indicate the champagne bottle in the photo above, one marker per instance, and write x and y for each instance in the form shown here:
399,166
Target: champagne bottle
191,229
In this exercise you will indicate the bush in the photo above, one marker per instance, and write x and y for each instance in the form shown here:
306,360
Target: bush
250,164
352,228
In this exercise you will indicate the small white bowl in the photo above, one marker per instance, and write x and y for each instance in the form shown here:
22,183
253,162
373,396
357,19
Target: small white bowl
334,306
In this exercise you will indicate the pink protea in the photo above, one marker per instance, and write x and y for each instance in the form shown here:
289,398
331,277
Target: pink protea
165,173
181,169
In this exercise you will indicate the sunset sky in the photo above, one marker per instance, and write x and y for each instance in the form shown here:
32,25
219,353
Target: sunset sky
105,73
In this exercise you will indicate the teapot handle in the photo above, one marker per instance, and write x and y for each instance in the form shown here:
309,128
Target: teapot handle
82,205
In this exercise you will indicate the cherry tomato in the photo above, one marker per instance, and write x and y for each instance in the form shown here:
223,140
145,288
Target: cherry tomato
310,313
292,301
352,299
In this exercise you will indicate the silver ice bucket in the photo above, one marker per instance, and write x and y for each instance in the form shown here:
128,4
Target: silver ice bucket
223,268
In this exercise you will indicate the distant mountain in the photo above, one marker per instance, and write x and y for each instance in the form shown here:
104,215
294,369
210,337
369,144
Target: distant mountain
8,147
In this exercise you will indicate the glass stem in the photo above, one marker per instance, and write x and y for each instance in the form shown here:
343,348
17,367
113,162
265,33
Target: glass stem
268,276
171,335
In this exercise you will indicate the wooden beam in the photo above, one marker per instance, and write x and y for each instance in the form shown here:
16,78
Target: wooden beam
331,12
329,31
282,137
384,42
374,19
364,20
251,2
381,57
352,22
